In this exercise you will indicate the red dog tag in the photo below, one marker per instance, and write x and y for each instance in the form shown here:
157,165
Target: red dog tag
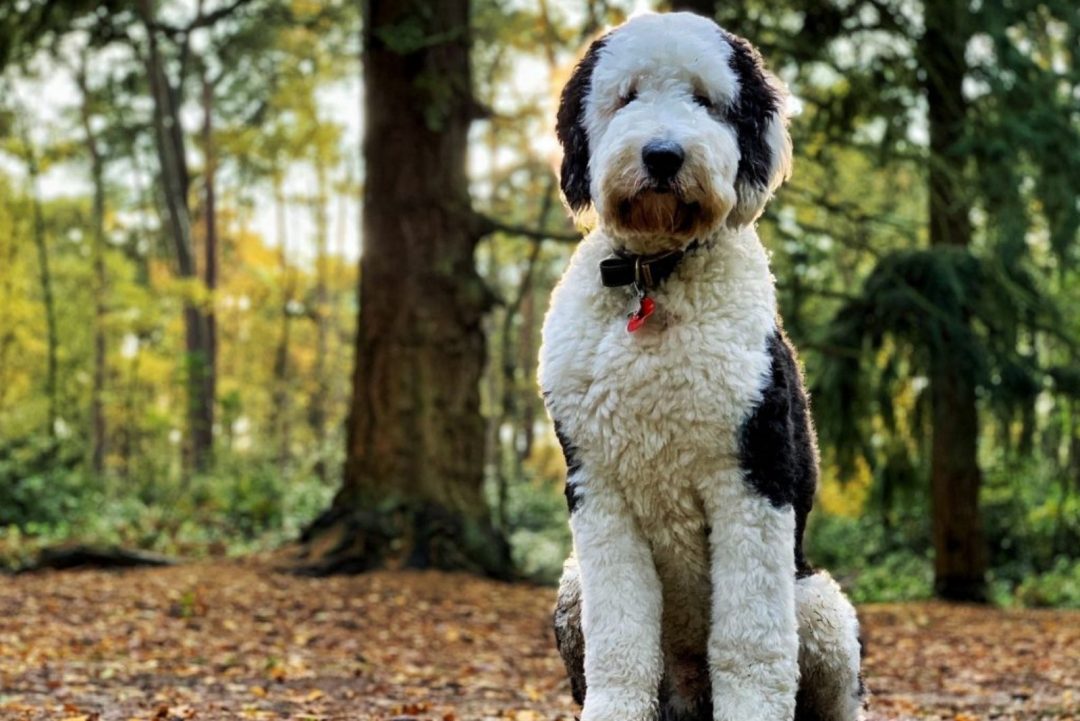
637,319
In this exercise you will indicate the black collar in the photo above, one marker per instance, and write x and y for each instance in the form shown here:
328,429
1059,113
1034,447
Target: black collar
644,271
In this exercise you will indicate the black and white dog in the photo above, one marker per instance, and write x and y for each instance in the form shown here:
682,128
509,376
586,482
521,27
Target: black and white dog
690,452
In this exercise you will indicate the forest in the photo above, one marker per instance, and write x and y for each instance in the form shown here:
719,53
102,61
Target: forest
272,275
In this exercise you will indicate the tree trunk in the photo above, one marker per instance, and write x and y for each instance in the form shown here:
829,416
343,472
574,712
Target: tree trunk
281,395
320,313
208,379
412,492
45,276
98,430
959,550
172,158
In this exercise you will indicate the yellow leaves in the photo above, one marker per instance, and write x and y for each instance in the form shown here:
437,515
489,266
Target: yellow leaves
844,496
545,459
525,715
74,713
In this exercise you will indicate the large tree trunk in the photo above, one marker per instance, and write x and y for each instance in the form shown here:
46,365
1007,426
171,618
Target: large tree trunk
959,550
412,492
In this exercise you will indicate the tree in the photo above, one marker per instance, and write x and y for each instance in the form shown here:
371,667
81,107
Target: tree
167,94
98,428
413,485
959,547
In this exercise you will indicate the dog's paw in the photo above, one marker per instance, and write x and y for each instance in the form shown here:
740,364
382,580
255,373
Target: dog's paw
619,705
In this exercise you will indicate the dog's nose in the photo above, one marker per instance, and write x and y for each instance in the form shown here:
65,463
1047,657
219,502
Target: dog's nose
662,159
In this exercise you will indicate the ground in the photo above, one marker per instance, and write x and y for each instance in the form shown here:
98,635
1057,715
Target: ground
237,640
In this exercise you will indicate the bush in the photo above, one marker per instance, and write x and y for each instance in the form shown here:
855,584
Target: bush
1059,587
539,533
243,505
873,562
41,484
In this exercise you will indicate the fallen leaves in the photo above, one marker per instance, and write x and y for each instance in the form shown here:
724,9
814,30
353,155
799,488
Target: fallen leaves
238,641
967,663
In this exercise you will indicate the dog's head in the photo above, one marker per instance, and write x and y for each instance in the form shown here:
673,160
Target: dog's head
671,127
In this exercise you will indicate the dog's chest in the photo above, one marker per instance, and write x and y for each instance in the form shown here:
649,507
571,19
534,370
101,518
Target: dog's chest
656,413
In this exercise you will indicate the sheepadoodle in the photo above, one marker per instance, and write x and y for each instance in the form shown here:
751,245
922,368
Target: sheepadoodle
691,458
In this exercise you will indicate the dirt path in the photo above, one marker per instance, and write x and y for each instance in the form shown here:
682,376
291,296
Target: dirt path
236,641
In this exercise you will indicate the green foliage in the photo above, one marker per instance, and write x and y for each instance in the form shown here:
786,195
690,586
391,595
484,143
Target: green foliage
1059,587
900,576
243,506
917,309
539,534
874,561
1032,521
41,482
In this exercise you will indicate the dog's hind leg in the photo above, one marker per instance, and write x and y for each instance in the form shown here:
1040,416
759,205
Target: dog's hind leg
568,635
830,683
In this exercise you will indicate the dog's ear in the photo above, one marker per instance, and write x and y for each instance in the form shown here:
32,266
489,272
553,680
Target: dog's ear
760,121
570,128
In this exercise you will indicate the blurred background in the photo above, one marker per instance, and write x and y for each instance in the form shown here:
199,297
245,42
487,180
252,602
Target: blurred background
195,360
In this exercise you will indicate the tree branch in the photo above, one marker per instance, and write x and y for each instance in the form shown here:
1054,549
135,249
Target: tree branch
201,21
817,291
487,226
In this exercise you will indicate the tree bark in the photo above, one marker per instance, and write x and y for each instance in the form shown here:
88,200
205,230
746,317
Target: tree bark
98,429
959,550
412,493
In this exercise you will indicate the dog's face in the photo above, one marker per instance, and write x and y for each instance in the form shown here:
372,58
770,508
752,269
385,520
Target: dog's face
671,127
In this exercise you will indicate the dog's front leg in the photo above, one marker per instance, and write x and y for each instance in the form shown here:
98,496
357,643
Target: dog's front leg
753,639
621,605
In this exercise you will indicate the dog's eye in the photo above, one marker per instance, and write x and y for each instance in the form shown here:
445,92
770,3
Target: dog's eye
628,98
703,101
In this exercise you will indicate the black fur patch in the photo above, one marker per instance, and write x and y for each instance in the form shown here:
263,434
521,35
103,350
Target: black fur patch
777,448
570,127
750,113
573,465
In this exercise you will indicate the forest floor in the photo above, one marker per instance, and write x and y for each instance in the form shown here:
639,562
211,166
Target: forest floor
240,641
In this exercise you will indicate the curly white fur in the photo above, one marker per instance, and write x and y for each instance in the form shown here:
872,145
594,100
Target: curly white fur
680,557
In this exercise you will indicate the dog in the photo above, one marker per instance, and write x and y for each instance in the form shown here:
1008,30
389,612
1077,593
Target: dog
678,400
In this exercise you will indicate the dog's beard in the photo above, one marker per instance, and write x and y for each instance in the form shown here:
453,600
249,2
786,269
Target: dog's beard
656,212
656,221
